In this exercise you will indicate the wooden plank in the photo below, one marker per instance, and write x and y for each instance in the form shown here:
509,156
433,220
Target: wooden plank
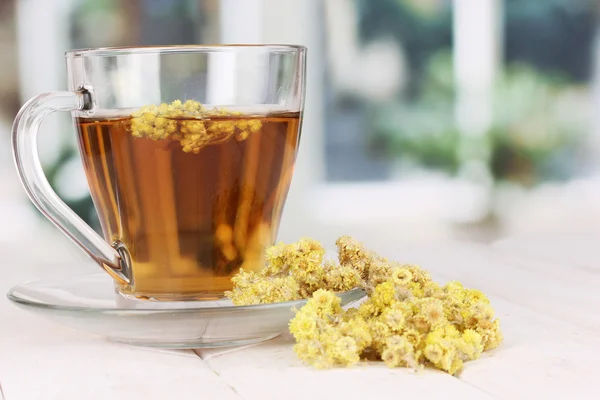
549,317
576,252
541,357
40,360
582,276
573,301
272,371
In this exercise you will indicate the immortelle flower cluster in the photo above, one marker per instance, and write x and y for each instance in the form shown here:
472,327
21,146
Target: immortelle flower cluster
192,124
408,320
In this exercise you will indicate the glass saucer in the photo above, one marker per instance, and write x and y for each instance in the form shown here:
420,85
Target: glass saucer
90,303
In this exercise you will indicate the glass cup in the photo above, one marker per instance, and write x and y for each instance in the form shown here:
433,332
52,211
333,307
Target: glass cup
189,153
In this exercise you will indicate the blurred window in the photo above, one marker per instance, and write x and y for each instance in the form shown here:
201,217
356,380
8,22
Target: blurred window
409,87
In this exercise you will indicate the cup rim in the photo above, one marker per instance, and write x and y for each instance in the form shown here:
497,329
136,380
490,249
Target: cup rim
188,48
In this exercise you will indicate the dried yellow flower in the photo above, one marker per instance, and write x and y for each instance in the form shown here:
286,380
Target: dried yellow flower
399,352
407,321
320,341
192,124
340,278
301,262
250,288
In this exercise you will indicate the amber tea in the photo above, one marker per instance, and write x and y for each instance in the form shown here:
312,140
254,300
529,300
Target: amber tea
191,195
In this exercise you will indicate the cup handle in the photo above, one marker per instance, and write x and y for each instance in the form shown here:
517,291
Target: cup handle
24,143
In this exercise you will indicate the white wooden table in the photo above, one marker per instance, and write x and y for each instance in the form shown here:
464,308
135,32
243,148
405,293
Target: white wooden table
549,310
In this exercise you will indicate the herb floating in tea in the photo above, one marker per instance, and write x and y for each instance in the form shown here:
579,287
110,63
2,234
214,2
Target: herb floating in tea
198,126
408,320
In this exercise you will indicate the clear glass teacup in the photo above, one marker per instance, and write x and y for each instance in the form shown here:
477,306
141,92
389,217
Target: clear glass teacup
189,153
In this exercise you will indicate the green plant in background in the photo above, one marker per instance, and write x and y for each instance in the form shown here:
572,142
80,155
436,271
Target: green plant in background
421,130
539,115
539,121
536,126
422,28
